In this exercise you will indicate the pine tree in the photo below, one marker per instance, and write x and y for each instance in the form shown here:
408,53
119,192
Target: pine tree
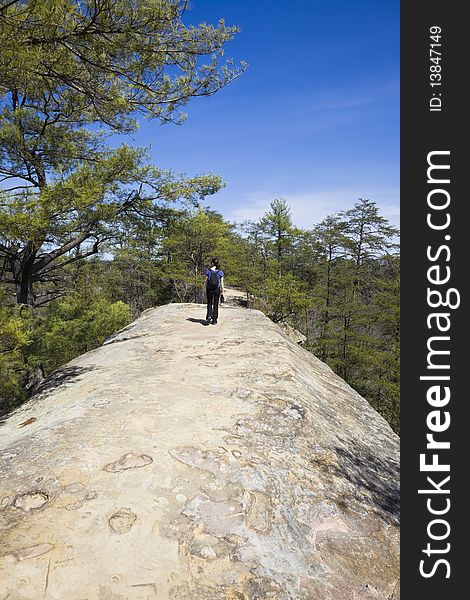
71,73
192,241
368,236
277,224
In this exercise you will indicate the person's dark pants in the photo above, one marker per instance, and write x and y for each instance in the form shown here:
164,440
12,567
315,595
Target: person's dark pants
212,304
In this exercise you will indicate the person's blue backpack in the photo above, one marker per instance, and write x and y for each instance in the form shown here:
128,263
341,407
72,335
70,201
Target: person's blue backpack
213,280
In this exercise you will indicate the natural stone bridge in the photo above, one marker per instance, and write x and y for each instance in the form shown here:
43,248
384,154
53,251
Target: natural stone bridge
189,462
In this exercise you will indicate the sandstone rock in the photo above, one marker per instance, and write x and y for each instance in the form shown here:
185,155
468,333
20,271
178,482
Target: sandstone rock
293,334
235,297
186,462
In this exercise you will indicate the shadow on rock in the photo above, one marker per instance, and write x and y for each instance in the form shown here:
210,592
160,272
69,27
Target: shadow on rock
56,379
200,321
376,477
120,334
62,376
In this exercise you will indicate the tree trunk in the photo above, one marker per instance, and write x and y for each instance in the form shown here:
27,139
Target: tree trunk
24,291
326,319
345,369
21,267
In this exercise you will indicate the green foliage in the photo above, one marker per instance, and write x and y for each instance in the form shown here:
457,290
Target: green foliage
192,240
15,337
285,296
276,226
71,73
102,60
45,340
135,279
377,374
240,261
75,325
339,285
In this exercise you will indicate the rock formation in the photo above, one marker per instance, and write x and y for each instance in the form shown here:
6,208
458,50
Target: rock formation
189,462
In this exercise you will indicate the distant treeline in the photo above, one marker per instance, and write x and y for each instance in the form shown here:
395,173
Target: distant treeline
337,283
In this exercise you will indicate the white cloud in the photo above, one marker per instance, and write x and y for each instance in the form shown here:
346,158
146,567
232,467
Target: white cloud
310,207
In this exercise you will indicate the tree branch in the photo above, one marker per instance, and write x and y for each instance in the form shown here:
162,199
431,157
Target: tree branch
8,4
283,317
49,296
48,258
94,250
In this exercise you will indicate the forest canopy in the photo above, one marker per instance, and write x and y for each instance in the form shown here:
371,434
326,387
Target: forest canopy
72,73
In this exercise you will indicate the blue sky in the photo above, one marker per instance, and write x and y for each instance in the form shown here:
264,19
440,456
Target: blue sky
314,119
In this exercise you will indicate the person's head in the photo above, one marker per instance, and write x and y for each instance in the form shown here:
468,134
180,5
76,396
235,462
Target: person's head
215,262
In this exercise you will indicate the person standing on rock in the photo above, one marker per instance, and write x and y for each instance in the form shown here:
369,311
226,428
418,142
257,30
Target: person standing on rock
214,288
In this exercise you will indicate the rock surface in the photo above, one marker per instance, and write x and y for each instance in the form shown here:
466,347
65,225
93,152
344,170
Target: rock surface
293,334
188,462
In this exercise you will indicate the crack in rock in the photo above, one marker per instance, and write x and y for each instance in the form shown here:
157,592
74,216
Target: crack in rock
30,551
